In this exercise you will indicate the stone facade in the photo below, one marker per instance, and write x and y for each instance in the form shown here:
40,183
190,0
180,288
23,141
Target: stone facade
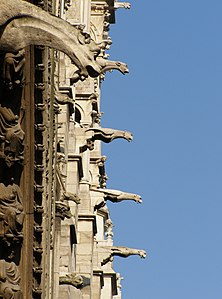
56,238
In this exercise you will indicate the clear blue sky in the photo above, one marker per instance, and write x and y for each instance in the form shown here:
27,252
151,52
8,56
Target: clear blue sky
172,103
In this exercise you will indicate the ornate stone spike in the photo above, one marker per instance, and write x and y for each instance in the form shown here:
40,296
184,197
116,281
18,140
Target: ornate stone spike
121,251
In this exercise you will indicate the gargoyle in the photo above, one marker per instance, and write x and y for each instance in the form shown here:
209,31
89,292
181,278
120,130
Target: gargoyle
71,279
109,65
62,98
62,210
125,5
23,24
107,135
115,196
71,196
121,251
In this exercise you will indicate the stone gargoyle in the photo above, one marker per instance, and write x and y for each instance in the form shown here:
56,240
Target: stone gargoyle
109,65
115,196
121,251
71,279
23,24
70,197
107,135
104,134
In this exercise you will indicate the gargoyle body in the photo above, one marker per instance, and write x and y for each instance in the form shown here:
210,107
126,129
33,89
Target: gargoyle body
107,135
121,251
109,65
71,279
23,24
114,196
117,196
71,197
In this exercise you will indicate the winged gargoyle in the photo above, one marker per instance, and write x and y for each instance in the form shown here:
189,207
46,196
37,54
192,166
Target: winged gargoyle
115,196
23,24
121,251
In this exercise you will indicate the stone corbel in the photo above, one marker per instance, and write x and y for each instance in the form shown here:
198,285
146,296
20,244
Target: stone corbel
120,251
72,279
114,196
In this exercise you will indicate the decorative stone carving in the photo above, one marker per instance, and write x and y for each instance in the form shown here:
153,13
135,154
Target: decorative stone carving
104,134
11,211
71,279
62,210
117,196
125,5
107,135
9,281
122,252
102,173
109,65
23,24
71,197
63,99
109,229
11,137
13,66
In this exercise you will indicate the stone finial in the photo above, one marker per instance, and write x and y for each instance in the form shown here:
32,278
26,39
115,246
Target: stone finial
72,279
23,24
121,251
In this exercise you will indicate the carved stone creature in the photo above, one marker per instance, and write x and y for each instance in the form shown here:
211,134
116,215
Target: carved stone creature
116,195
11,211
62,210
13,67
121,251
23,24
11,143
109,65
62,98
71,196
125,5
72,279
107,135
9,281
